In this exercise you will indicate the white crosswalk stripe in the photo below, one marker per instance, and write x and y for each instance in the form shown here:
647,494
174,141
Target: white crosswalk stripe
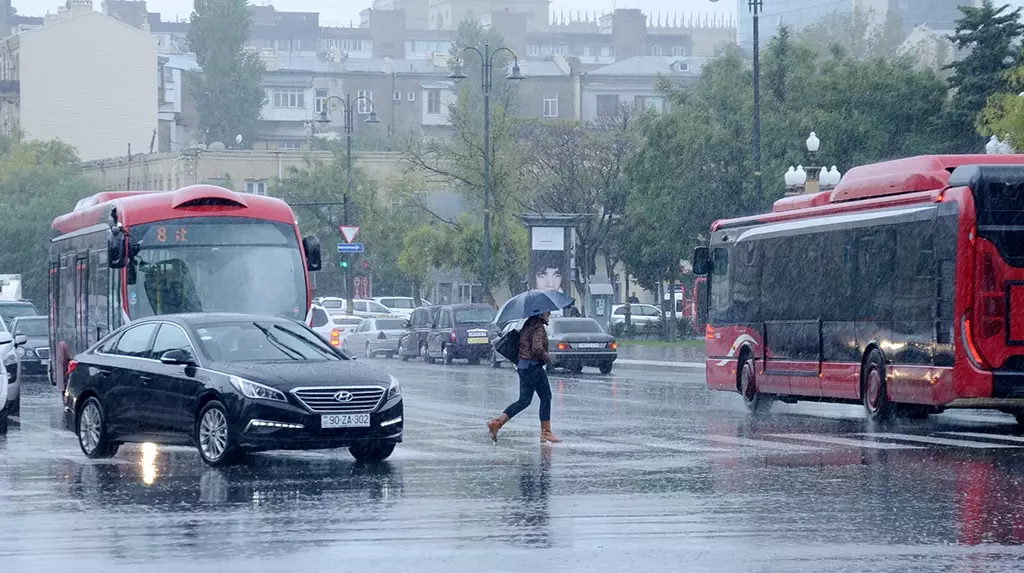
940,441
849,442
1017,439
737,441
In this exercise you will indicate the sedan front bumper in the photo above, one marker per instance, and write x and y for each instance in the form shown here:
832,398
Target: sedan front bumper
260,436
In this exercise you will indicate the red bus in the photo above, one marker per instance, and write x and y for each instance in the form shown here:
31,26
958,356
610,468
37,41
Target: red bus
125,255
902,289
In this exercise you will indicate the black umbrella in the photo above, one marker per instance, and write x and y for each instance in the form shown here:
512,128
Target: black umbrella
532,303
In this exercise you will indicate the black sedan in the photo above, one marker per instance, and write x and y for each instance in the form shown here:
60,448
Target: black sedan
229,384
577,342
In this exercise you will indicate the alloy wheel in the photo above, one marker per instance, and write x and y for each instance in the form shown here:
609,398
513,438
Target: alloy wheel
89,427
213,434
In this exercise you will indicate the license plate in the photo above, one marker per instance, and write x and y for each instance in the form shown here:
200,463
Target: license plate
590,345
345,421
478,340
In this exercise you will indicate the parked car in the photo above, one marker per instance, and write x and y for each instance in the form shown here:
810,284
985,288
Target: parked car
462,332
36,359
376,336
229,384
3,401
644,317
577,342
11,351
413,342
400,305
363,308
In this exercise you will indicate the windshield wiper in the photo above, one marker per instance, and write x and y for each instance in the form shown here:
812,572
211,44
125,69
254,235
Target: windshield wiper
305,341
288,350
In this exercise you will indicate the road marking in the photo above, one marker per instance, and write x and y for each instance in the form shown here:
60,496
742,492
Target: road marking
667,364
939,441
761,444
835,440
1017,439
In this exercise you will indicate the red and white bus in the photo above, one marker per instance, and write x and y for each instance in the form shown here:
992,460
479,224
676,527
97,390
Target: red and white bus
125,255
902,289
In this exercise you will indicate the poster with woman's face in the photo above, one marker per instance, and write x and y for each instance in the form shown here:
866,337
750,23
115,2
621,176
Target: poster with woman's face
548,259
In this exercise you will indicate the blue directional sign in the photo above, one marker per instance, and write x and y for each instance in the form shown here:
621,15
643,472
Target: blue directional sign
350,248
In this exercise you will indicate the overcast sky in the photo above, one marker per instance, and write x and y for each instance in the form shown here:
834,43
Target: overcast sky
342,12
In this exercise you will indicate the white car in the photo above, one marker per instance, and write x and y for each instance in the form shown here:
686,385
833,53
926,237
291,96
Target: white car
3,401
333,329
401,305
360,307
376,336
643,317
11,352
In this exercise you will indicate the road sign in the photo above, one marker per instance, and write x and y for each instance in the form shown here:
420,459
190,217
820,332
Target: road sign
350,248
361,287
349,233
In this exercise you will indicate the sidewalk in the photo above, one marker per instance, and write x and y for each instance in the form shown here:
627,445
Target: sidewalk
661,357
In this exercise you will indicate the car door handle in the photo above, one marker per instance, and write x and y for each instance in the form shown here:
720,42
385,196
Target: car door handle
146,379
103,372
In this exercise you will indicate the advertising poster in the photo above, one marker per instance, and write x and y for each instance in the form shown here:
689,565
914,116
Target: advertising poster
549,259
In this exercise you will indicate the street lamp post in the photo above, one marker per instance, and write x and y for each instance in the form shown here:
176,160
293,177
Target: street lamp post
755,7
346,106
486,83
813,179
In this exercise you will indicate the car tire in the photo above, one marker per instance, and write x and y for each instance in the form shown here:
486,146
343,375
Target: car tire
604,367
91,429
371,452
367,352
446,354
757,403
3,421
214,437
874,390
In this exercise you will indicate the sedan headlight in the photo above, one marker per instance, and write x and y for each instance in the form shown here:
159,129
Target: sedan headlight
257,391
395,389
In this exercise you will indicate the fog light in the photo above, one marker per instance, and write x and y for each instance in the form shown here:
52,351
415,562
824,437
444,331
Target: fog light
391,422
269,424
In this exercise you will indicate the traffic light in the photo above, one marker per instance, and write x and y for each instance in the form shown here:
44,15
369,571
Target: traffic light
343,263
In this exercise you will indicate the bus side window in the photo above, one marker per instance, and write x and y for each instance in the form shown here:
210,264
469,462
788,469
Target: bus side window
82,301
66,302
114,306
99,324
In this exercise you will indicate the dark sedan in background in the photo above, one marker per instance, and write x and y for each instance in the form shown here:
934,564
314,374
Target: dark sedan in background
577,342
413,342
229,384
462,332
36,329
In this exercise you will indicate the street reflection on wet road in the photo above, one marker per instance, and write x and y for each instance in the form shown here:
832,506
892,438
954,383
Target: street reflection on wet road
656,472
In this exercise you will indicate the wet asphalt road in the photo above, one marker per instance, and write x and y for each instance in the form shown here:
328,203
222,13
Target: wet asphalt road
657,473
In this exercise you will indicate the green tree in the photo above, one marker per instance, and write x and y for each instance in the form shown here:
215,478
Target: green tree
991,37
229,90
860,34
418,258
1004,114
39,181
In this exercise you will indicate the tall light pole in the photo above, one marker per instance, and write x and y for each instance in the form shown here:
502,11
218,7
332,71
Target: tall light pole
755,7
325,118
486,83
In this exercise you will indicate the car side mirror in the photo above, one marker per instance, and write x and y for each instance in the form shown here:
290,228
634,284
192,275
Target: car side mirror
177,357
6,338
20,339
311,245
701,261
406,324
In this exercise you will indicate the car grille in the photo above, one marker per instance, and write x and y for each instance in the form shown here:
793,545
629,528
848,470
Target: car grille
322,401
43,352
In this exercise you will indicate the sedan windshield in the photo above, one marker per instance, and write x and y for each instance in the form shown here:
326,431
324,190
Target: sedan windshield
581,325
262,342
481,315
32,327
218,264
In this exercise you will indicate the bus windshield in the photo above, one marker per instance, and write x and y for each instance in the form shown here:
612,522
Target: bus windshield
217,264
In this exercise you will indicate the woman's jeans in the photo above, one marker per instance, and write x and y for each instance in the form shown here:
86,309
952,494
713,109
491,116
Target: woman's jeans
532,379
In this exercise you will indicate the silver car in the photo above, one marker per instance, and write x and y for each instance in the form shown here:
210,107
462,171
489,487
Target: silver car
376,336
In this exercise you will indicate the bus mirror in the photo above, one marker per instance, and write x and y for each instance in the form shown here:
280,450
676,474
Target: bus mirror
701,261
133,275
116,258
133,247
311,245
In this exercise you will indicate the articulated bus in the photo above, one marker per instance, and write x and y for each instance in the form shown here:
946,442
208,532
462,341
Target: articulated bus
902,289
125,255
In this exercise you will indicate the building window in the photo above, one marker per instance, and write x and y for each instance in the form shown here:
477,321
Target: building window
289,145
320,103
256,186
290,98
411,96
678,50
397,96
550,105
434,101
534,50
607,105
364,102
656,50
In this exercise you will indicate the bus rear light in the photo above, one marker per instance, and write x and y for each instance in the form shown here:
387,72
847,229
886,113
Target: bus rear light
968,341
709,332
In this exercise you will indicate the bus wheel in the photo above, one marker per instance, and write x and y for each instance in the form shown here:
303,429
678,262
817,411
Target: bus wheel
874,390
757,403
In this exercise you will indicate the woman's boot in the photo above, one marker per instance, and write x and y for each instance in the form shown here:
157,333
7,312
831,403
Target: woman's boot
495,425
546,435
